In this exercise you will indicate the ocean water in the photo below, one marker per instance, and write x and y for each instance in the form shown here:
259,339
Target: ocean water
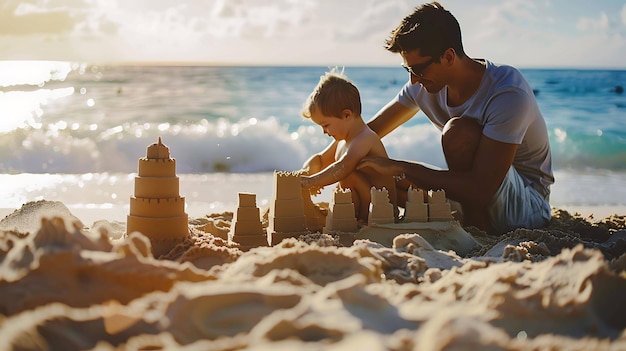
66,126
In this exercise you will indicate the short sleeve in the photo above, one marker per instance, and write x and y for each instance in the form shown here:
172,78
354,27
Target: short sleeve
407,95
508,116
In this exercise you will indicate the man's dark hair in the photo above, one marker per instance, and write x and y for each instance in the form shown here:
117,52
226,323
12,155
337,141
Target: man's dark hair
431,29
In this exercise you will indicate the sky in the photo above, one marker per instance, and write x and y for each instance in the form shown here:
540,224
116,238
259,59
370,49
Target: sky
524,33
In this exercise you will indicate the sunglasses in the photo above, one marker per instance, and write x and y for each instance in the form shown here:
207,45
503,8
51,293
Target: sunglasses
418,70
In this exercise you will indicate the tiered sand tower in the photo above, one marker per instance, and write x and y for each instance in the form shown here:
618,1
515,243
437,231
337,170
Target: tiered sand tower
156,209
246,228
381,211
286,213
438,207
341,215
415,209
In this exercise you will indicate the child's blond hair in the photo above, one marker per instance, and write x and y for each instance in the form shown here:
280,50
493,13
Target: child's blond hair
333,94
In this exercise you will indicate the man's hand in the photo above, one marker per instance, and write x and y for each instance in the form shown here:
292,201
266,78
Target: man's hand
381,165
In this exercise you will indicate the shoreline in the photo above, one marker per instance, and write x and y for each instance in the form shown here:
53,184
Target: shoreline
105,196
118,213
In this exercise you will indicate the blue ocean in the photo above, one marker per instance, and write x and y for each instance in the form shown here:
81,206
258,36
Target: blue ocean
64,124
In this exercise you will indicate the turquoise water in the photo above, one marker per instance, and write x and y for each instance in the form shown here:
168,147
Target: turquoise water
98,119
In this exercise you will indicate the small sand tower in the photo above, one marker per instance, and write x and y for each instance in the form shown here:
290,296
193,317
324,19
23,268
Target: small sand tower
341,214
439,207
246,228
287,218
156,209
416,210
381,210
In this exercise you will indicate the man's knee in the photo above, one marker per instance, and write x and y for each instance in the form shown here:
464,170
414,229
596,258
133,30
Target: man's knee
461,131
460,140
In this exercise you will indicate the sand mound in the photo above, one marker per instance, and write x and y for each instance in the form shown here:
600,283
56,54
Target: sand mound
27,219
63,287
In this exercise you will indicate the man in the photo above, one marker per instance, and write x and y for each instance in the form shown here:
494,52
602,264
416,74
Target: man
494,138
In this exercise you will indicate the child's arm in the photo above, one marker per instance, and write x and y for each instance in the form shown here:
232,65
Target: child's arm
340,169
319,161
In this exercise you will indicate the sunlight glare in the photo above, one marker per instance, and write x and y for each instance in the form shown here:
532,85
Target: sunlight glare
32,72
560,134
23,108
163,127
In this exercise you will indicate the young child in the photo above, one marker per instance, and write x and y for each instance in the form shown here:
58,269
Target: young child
335,105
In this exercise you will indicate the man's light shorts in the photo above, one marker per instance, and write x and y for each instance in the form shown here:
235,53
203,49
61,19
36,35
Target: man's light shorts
516,205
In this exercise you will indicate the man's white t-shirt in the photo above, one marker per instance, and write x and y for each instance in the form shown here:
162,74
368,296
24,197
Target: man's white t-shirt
505,106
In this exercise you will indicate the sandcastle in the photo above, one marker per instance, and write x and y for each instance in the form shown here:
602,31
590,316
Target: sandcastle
438,207
292,213
246,228
286,217
381,211
341,213
415,209
156,209
432,220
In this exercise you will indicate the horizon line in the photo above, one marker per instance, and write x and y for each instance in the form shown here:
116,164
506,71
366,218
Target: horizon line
157,63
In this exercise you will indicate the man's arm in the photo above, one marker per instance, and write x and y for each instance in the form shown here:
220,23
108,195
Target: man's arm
390,117
475,186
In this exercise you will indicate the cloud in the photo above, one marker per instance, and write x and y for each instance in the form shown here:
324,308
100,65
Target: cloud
597,24
374,20
520,32
23,19
258,19
607,23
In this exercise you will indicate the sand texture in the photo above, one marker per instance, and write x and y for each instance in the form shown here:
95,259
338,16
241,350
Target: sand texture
64,286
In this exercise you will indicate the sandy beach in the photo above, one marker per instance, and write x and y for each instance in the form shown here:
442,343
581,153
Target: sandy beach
69,285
